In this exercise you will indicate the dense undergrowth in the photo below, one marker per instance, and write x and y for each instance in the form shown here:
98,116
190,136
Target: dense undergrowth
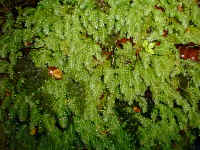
124,85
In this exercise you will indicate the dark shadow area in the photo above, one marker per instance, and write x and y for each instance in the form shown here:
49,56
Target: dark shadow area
127,120
10,6
26,82
3,140
149,101
76,92
32,77
27,79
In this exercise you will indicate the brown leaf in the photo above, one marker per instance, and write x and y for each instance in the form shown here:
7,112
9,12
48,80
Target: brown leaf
55,72
136,109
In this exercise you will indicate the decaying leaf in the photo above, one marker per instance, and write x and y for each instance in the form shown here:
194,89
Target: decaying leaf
55,72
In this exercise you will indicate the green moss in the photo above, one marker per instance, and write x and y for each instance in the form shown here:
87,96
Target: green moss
103,80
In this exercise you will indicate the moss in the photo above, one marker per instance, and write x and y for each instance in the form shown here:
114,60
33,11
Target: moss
124,84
